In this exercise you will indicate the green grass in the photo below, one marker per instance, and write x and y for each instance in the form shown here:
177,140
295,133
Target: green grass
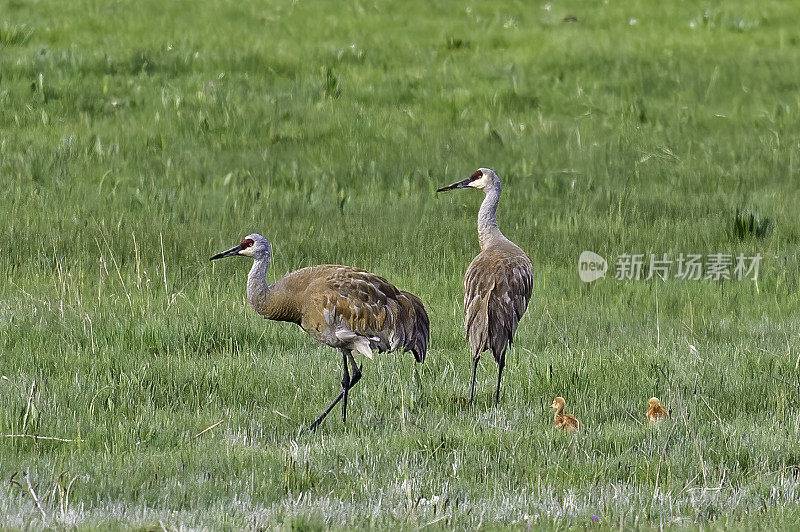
137,141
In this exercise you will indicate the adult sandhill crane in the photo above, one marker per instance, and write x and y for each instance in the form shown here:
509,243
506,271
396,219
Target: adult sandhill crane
343,307
498,282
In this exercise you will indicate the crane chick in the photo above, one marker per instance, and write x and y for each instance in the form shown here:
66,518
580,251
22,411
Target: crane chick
565,422
656,412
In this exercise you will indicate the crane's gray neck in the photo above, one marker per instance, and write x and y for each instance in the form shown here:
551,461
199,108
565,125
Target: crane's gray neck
257,287
488,231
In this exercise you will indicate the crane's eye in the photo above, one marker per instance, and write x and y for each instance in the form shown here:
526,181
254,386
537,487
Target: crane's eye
476,175
247,242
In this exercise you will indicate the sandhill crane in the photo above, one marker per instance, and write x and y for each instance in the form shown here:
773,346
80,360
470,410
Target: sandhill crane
343,307
498,282
656,411
565,422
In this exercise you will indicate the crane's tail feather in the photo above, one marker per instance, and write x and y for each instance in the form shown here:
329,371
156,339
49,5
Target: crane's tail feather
417,326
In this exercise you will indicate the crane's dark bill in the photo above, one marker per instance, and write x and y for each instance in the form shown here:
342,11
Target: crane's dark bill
464,183
460,184
229,253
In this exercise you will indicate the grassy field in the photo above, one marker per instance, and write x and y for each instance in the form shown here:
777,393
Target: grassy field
139,138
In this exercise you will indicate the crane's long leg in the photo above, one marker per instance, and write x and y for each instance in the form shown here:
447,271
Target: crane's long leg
345,385
500,365
475,360
350,381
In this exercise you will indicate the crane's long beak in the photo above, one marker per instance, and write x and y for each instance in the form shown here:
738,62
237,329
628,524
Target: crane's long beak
229,253
464,183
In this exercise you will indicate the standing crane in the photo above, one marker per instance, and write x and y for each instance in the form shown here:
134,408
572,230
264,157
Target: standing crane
343,307
498,282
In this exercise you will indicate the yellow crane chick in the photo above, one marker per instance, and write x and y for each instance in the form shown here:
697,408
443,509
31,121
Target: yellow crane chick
656,412
565,422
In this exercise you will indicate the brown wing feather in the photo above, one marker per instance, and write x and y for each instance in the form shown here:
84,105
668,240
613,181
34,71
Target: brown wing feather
497,289
369,306
416,325
477,289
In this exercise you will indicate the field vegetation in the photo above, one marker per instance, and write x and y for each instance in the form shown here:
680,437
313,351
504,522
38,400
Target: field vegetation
137,139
